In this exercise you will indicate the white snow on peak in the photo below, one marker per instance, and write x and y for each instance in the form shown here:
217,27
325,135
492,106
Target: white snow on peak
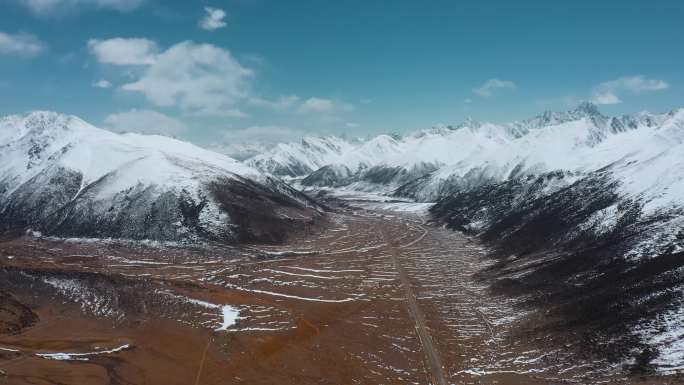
449,145
299,158
30,144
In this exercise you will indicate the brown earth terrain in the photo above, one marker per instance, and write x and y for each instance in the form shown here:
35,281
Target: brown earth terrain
375,297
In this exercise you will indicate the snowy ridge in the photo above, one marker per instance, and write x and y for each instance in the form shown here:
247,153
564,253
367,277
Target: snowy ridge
577,146
428,164
471,151
300,158
40,140
63,176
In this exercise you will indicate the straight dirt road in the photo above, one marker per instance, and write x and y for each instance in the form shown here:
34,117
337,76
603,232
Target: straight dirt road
432,355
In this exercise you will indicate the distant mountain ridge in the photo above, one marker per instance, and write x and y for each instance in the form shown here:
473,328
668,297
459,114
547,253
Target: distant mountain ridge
446,151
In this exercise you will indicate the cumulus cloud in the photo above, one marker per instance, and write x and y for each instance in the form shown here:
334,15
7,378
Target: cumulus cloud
198,78
120,51
313,106
492,85
102,84
322,106
608,92
20,44
144,122
44,7
213,19
605,97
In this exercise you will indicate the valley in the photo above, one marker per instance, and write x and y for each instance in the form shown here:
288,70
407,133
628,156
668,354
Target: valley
390,260
375,295
341,193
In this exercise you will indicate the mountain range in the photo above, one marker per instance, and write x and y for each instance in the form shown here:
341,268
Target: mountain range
641,153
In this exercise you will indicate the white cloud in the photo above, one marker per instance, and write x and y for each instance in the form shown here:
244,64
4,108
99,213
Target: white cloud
283,103
317,105
198,78
102,84
144,122
490,86
322,106
120,51
213,19
44,7
21,44
605,97
322,111
608,92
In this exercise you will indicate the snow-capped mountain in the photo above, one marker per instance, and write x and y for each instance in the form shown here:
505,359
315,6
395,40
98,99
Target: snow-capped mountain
63,176
298,159
428,164
576,142
641,154
301,158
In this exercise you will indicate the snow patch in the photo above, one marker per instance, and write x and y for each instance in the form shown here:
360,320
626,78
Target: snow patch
81,356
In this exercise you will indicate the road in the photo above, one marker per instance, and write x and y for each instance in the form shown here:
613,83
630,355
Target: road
432,355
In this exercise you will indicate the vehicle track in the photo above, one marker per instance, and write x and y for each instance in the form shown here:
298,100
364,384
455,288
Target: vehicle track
432,355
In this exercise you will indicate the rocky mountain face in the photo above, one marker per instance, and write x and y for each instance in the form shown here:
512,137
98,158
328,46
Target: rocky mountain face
61,176
587,222
595,263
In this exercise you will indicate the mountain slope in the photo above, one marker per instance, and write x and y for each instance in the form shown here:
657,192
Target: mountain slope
578,144
588,225
62,176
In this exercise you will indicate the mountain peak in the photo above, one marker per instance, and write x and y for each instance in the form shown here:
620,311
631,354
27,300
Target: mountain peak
39,118
470,123
587,108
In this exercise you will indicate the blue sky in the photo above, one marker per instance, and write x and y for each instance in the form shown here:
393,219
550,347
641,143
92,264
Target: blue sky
233,70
